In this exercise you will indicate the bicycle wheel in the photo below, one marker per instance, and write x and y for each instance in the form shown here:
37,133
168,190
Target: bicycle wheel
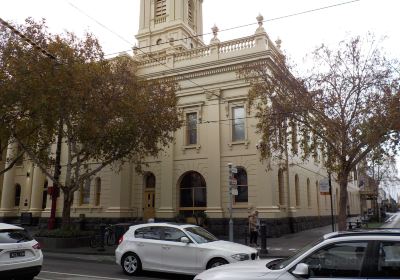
111,238
94,242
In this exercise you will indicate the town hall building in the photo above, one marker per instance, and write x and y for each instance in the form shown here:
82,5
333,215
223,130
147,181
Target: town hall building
190,178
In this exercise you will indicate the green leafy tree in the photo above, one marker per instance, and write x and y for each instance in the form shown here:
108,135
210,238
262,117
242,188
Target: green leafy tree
346,106
103,113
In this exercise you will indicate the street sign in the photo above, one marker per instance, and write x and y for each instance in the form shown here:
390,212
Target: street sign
324,186
235,191
234,170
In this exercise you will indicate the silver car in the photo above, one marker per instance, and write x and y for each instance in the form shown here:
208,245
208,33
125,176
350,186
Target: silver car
373,254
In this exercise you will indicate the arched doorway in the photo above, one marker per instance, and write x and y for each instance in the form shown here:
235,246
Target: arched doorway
149,196
192,194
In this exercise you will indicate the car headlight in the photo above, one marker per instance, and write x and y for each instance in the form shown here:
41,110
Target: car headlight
240,257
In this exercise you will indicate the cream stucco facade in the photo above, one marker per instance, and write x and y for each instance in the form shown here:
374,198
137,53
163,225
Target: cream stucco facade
220,128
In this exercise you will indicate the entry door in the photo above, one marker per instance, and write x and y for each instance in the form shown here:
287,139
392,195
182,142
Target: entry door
148,209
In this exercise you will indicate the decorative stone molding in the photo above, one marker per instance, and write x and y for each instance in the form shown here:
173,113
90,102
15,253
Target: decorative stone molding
245,143
215,39
260,28
213,94
190,147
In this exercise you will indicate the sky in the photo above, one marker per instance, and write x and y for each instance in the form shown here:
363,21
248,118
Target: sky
115,23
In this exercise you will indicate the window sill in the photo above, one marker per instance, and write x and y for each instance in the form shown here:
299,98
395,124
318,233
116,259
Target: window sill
234,143
240,205
191,147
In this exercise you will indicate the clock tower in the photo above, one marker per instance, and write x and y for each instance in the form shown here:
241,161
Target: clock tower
163,21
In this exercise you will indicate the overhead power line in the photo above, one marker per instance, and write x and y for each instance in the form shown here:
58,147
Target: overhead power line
222,30
28,40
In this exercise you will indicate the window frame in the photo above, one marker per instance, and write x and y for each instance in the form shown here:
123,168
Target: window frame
195,107
234,124
189,129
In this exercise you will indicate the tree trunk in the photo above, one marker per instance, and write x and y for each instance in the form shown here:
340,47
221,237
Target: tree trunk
342,217
66,214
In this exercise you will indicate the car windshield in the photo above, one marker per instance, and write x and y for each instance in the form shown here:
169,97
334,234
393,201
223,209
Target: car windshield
200,235
14,236
282,263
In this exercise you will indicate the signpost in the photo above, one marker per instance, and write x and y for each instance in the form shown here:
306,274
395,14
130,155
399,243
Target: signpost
232,191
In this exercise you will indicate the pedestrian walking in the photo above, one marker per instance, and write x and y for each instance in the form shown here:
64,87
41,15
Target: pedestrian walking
254,225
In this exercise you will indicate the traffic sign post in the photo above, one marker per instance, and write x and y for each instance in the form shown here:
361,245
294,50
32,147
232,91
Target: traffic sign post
230,177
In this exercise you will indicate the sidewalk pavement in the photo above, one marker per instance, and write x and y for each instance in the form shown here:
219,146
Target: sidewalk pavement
283,246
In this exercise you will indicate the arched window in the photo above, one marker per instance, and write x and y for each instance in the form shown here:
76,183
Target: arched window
150,181
281,187
17,197
308,193
98,191
242,185
193,192
297,189
44,195
159,41
85,192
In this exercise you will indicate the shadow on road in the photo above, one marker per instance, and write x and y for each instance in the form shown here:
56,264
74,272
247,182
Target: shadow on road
167,276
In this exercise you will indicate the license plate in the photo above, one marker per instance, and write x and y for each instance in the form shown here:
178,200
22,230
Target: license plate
17,254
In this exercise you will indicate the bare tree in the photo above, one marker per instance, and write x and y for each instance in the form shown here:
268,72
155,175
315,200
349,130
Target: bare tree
346,106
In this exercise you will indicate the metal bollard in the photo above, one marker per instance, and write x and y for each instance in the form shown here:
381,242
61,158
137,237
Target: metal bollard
102,234
263,232
350,225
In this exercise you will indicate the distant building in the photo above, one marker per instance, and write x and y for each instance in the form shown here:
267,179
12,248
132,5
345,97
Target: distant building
191,177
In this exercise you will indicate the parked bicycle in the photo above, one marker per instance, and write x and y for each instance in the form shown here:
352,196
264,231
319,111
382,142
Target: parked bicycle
102,238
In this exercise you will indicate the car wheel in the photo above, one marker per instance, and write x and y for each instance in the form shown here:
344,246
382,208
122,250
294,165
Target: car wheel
216,262
131,264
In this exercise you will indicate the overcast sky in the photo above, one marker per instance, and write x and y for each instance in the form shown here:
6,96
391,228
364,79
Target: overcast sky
299,34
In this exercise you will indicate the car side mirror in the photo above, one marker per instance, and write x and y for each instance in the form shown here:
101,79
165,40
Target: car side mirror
184,239
301,270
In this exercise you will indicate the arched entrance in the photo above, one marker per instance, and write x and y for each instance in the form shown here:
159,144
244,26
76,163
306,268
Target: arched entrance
149,196
192,194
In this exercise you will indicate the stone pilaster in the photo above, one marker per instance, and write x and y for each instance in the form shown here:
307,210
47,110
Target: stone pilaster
37,192
8,192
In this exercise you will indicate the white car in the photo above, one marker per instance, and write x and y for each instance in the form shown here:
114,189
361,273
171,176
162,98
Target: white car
373,254
168,247
20,255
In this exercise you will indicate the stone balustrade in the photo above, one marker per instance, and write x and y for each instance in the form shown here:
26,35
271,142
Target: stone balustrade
160,19
216,51
237,45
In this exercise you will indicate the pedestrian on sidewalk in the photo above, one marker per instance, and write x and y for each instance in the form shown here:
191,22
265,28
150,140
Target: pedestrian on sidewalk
254,224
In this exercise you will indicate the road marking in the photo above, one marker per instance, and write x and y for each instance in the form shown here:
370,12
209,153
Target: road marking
292,249
82,275
40,278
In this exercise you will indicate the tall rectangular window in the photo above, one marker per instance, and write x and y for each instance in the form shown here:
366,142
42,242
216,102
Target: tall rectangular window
191,129
238,133
161,8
